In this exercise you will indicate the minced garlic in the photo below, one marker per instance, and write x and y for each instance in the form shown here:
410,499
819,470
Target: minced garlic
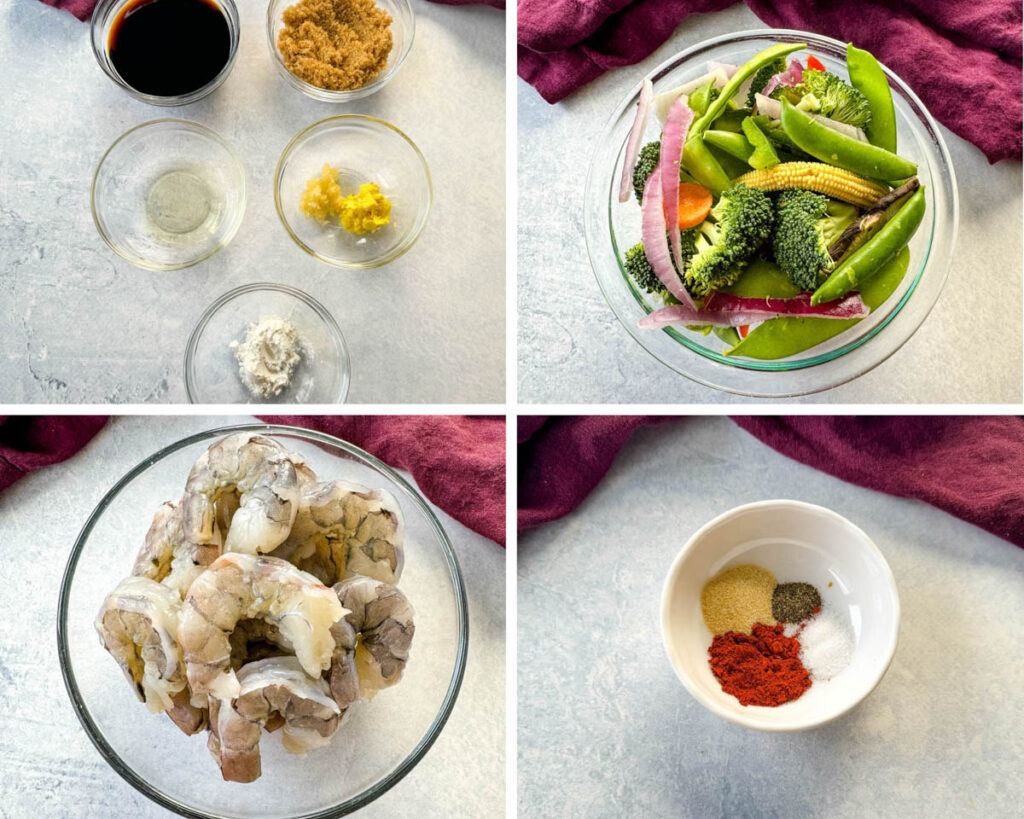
322,197
366,211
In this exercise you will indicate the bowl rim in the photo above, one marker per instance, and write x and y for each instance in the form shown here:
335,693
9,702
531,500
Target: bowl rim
803,507
313,436
383,260
761,370
326,94
229,233
326,316
98,25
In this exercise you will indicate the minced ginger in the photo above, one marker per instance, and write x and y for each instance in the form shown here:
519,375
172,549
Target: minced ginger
338,45
362,212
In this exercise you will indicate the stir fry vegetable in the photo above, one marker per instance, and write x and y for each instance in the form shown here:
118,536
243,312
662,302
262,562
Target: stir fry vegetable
776,211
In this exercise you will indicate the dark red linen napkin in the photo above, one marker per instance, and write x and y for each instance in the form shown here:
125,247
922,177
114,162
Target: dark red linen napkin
458,461
968,466
962,59
29,442
82,9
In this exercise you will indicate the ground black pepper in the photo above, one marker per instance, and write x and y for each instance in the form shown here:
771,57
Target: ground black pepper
794,602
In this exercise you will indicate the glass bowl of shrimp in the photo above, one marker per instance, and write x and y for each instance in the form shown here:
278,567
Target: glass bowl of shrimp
382,731
611,228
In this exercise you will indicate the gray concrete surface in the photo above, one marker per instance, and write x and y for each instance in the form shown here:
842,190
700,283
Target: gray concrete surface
572,349
607,730
78,324
48,767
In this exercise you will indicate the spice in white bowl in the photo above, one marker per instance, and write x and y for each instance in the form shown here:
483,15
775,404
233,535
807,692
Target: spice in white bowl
826,644
268,355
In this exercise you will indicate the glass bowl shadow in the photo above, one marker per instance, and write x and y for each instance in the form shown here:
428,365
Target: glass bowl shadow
211,369
381,740
611,228
403,29
103,18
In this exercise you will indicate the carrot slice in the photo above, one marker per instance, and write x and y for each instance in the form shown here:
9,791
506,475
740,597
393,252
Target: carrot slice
694,204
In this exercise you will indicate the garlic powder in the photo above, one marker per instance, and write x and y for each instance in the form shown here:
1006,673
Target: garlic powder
267,356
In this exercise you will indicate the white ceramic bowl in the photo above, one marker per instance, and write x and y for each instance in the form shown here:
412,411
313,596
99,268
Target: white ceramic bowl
797,542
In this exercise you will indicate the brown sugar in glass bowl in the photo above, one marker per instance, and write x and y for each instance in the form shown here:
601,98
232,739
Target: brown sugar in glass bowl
339,50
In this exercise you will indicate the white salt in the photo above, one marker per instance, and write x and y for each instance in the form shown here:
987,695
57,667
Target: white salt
826,644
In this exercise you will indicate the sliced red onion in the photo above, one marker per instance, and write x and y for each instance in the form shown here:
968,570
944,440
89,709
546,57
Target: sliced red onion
636,133
796,72
724,310
794,75
655,246
677,126
663,101
728,68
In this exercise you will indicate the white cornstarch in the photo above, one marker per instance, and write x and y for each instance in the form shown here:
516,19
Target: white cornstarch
826,644
267,356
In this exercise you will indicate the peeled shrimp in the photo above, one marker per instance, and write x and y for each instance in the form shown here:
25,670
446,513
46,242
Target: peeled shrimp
273,692
343,529
169,557
382,617
138,625
238,587
261,474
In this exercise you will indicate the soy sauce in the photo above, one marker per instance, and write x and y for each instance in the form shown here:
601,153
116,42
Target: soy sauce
169,47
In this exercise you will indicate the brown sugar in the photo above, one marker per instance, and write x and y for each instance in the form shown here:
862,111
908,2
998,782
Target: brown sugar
339,45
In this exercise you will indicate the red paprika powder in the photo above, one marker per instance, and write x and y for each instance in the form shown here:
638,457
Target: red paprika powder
762,668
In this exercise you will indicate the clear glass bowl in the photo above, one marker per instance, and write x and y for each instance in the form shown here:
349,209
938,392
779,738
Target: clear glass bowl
382,740
103,18
362,149
168,194
612,228
211,369
403,28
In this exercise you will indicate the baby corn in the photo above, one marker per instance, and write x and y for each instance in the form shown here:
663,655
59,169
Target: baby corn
817,177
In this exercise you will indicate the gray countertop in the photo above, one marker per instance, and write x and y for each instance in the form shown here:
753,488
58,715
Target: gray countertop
572,349
80,325
48,767
606,728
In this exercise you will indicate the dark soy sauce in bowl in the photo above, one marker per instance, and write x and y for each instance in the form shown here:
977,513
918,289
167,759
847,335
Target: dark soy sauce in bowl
167,48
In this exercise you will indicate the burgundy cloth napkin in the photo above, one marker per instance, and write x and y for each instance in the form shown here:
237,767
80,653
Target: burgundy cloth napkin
962,59
968,466
82,9
29,442
457,461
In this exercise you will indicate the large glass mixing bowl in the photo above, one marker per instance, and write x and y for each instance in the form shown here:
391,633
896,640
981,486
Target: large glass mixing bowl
612,228
381,739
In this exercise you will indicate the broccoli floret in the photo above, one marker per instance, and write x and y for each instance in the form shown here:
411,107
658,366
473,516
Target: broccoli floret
736,227
836,99
646,162
806,223
641,271
760,80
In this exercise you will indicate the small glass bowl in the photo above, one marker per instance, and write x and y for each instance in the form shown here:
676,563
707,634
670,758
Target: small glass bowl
211,369
362,149
611,228
403,27
168,194
381,740
103,19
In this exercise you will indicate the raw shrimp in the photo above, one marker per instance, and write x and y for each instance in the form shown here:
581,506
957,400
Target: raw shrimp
138,625
343,529
238,587
274,693
169,557
382,617
260,473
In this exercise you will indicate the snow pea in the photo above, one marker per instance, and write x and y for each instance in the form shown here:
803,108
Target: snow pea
764,155
697,159
736,145
841,150
788,335
867,76
868,259
699,100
